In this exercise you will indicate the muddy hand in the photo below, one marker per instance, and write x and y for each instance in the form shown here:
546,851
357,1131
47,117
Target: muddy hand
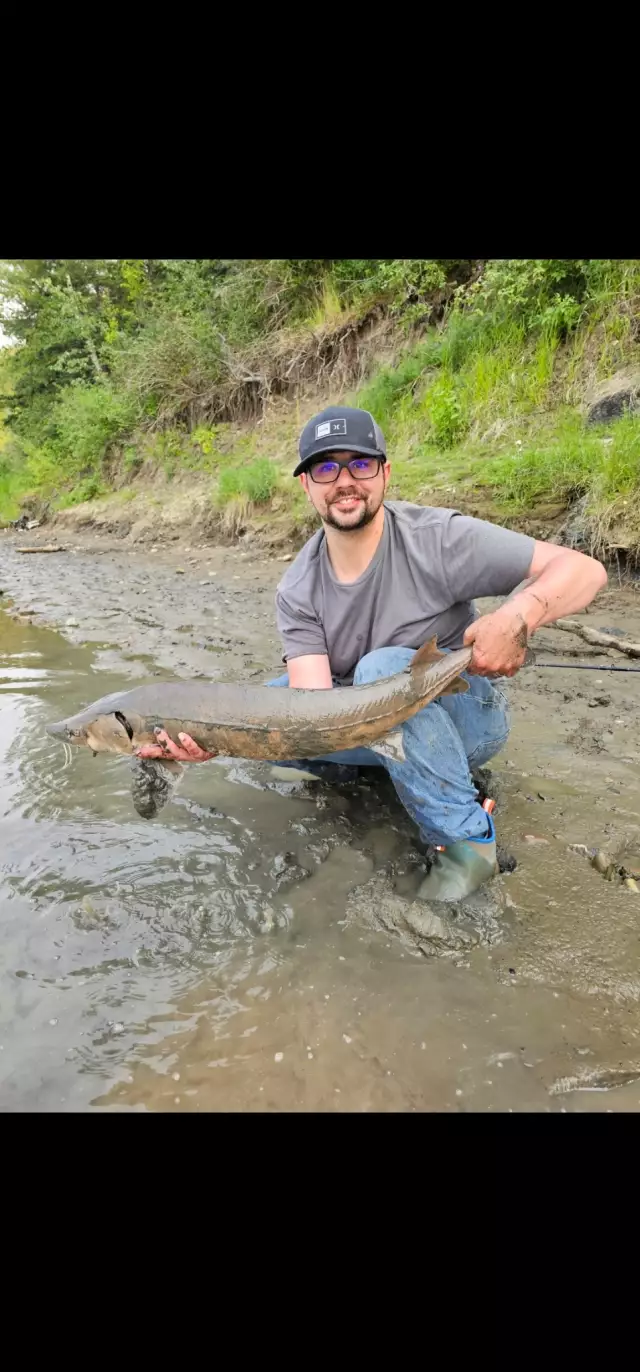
166,748
499,643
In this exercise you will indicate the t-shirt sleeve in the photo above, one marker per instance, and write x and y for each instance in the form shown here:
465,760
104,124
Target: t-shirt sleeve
482,559
300,630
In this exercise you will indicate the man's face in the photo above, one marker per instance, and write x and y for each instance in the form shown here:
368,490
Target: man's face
347,503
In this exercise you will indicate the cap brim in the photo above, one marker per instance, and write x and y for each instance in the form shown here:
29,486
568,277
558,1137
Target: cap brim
333,447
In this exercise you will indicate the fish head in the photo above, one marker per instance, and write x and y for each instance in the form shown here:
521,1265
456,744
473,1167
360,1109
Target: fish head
104,731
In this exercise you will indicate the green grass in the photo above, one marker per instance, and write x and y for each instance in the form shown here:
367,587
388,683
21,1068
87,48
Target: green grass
257,482
602,463
393,387
329,309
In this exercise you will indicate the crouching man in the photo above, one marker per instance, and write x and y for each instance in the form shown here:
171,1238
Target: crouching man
377,580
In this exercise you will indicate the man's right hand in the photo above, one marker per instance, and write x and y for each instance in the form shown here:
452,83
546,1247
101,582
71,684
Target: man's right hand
168,750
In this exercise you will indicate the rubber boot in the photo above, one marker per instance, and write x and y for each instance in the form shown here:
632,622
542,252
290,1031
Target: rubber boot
460,869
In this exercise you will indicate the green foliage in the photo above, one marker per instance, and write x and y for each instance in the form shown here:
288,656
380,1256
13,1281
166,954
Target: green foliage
444,411
130,357
205,438
257,482
534,291
392,385
11,487
86,419
573,462
132,460
170,450
83,423
89,489
618,472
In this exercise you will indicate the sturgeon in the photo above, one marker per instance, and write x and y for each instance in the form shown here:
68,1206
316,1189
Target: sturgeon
271,723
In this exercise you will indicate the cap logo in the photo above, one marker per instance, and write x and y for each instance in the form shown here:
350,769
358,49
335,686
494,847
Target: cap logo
331,426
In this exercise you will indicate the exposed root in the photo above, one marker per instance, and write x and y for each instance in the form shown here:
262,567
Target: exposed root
338,356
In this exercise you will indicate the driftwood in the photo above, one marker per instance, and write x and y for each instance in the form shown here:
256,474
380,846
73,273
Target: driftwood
45,548
596,637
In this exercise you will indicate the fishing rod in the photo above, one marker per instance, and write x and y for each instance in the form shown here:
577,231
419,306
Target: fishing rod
581,667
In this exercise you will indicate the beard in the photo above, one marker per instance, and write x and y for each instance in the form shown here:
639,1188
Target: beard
344,520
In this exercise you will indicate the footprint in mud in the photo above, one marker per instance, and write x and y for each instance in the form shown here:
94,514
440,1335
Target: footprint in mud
325,892
428,930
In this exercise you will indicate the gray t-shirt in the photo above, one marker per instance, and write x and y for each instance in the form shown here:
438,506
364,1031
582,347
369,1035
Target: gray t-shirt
427,568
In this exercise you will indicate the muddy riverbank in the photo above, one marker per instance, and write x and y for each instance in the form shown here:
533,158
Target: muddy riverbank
257,946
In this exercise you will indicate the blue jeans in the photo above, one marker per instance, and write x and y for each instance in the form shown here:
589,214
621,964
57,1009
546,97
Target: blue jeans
441,743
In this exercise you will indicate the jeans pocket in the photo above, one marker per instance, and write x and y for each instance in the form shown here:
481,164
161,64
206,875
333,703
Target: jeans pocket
500,701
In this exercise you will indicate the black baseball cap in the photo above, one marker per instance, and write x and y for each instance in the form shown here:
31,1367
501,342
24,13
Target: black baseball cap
340,429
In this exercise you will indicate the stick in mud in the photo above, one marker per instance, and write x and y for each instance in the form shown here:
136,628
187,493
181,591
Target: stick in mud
47,549
596,637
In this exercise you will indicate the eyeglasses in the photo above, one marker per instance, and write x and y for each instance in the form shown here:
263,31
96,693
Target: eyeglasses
362,468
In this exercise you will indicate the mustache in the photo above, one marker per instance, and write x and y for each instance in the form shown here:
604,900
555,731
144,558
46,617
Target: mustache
346,493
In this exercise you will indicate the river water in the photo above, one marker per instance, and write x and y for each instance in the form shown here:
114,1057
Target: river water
246,950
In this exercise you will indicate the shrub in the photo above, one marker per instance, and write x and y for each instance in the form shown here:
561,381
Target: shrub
89,489
86,420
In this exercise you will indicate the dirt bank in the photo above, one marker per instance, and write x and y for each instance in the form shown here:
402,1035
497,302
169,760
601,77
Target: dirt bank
155,513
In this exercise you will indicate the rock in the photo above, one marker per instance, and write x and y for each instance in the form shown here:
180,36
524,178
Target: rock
599,700
602,862
533,838
70,623
612,398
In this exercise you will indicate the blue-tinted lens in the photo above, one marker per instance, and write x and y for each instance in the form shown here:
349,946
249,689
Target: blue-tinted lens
363,466
325,471
360,467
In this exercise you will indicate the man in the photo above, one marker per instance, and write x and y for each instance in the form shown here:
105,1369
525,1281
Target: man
379,579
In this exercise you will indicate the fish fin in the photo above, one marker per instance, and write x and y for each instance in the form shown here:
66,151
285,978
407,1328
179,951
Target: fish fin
429,652
153,783
390,746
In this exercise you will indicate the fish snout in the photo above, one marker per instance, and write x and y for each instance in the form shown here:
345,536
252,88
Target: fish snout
63,729
58,730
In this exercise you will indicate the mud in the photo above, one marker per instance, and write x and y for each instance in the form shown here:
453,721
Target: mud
259,946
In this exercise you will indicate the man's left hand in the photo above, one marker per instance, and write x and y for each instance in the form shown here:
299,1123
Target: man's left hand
499,643
165,748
